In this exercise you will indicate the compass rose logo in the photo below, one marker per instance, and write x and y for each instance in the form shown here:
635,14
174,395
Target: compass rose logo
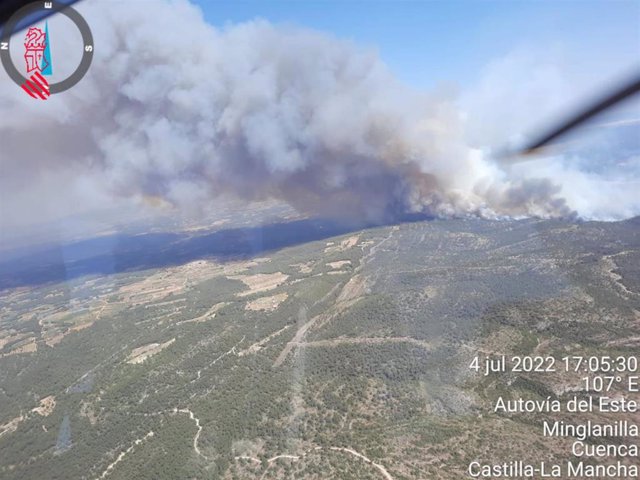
38,50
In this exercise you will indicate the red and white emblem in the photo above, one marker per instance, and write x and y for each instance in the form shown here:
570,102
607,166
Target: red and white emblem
35,43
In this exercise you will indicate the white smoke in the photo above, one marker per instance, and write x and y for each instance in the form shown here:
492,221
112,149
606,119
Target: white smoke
175,108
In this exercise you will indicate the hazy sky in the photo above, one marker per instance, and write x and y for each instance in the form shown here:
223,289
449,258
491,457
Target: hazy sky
426,42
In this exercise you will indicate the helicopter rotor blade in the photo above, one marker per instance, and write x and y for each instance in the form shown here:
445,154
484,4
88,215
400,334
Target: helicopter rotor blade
626,90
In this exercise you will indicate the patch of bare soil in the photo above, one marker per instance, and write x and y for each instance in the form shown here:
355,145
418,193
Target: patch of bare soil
304,268
267,304
355,288
87,410
211,313
11,337
343,245
260,282
234,268
47,404
11,425
54,340
27,346
140,354
339,264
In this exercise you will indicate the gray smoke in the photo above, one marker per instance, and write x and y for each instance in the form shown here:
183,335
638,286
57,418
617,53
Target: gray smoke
176,109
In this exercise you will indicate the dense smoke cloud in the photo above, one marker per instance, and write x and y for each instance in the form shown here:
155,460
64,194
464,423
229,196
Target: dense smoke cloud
176,109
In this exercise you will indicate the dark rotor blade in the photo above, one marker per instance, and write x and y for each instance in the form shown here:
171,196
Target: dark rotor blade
628,89
9,7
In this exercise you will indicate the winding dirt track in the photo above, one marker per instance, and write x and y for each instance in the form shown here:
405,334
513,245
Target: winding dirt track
609,266
175,411
197,435
382,470
385,473
123,454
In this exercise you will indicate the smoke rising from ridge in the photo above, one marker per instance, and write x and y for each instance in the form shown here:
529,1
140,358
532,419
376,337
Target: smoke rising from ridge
176,109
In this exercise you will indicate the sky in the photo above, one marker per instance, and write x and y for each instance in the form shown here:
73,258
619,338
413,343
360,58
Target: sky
427,42
382,106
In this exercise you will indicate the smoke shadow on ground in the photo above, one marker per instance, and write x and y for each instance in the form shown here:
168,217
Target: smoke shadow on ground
118,253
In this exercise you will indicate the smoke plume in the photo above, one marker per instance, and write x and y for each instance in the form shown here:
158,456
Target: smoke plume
177,109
